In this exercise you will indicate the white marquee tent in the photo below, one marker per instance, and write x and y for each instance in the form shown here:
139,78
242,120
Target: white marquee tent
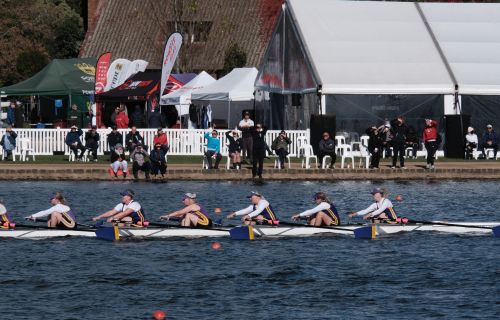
182,96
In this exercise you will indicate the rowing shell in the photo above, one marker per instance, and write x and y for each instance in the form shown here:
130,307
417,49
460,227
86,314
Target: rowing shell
258,231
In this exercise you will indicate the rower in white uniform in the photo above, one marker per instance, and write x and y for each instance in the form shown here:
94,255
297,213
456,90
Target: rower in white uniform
380,211
59,215
260,211
324,214
127,211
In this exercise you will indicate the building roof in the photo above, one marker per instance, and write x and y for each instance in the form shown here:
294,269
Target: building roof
139,30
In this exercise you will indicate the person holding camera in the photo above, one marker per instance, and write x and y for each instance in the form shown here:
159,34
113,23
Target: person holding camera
430,137
8,142
234,149
141,162
213,149
280,146
399,132
327,148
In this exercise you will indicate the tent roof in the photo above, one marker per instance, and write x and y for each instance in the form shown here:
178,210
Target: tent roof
373,47
183,95
237,85
60,77
141,85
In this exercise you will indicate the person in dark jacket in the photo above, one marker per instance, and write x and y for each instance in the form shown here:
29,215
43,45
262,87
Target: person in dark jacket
134,138
74,143
158,161
137,117
490,141
11,114
399,131
280,146
259,149
19,111
8,142
412,141
245,126
327,148
375,145
92,142
114,138
234,148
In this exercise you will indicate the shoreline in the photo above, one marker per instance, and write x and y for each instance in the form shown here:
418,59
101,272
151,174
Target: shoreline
184,172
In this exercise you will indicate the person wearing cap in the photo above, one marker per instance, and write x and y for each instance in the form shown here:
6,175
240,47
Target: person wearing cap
4,216
213,149
234,148
114,138
127,210
158,161
161,138
192,215
380,211
280,146
471,143
133,138
260,211
140,162
8,142
324,214
490,141
430,138
59,215
119,160
92,142
245,126
74,143
259,150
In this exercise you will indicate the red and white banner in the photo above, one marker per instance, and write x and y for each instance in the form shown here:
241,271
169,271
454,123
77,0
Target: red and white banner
101,72
172,48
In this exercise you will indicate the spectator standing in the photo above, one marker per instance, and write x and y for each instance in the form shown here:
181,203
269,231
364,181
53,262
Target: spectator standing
114,138
161,138
490,141
8,142
386,134
259,150
213,149
245,126
134,138
375,145
141,162
137,117
92,142
118,160
471,143
158,161
280,146
412,141
399,132
74,116
234,148
11,114
19,111
121,118
327,148
430,137
74,143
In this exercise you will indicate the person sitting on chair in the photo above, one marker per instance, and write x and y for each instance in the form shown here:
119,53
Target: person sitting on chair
234,149
490,141
280,146
213,149
327,148
74,143
471,143
8,142
114,138
92,142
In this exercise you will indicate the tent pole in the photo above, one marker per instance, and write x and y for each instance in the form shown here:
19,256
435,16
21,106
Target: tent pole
228,113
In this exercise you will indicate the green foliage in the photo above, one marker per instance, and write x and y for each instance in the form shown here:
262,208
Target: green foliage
68,37
29,62
234,57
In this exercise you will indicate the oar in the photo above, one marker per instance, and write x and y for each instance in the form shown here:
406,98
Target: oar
31,226
495,229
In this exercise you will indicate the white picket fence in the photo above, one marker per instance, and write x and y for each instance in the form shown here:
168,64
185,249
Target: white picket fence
181,141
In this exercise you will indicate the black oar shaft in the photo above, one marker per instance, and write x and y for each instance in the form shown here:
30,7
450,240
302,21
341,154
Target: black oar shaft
448,224
310,226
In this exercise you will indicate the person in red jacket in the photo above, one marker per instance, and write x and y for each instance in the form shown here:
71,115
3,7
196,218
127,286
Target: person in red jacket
430,137
121,119
161,138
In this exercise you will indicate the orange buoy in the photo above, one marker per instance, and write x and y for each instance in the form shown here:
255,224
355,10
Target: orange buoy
217,210
159,315
399,197
216,245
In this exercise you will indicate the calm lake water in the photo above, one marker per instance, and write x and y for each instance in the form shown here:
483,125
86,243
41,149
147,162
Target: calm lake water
407,276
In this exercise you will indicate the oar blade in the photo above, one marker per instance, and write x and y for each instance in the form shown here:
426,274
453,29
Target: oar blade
242,233
369,232
108,233
496,231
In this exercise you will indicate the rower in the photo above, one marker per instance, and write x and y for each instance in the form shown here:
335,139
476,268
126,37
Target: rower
260,211
4,217
380,211
59,215
128,211
324,214
192,215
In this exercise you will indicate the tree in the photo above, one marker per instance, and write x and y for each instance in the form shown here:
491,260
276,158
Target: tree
29,62
234,57
68,37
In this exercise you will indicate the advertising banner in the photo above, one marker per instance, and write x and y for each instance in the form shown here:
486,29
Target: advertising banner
172,48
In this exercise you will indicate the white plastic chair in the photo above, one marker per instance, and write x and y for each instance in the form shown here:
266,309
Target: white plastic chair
490,153
364,155
26,150
339,143
307,155
277,163
364,140
14,154
346,154
301,141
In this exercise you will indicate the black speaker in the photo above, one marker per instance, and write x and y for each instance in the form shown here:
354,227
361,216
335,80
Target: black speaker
320,124
456,128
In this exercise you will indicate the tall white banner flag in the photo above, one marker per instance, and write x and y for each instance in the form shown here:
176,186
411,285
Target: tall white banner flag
116,73
172,48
